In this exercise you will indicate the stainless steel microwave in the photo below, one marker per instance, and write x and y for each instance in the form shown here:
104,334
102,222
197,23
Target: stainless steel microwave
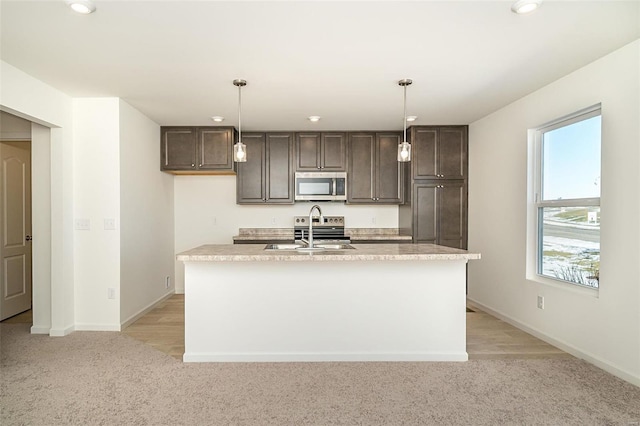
321,186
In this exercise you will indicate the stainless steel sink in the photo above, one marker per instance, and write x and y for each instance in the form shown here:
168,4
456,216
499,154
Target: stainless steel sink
303,248
336,246
283,246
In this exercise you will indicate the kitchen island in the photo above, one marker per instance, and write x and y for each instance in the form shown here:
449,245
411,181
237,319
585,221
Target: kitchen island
390,302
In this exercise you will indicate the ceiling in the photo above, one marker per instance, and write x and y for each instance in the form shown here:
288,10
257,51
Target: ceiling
175,60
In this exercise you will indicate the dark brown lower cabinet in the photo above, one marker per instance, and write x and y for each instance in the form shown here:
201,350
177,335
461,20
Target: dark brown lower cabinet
436,213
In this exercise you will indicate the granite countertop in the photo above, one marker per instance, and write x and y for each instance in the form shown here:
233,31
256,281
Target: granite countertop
286,234
386,252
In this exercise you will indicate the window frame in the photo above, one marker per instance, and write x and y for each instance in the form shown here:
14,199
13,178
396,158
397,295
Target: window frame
537,204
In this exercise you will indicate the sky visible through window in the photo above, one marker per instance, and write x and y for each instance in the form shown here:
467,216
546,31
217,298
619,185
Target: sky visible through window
571,161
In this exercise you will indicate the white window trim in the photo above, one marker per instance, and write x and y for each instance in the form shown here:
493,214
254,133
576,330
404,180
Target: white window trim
534,202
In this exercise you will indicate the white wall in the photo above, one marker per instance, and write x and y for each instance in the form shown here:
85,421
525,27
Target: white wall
14,128
146,216
31,99
97,197
41,227
206,213
603,326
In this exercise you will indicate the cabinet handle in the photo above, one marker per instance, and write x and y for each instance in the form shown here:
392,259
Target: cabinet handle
193,165
28,238
199,165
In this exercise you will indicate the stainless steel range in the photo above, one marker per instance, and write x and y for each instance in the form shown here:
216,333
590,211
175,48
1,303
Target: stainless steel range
331,229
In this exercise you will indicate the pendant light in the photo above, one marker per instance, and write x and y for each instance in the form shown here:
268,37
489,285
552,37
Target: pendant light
239,149
404,148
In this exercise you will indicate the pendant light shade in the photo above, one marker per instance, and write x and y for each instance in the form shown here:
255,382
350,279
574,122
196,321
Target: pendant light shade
404,148
239,149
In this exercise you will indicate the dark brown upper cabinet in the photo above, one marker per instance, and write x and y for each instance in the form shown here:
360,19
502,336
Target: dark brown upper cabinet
373,171
321,151
439,152
267,175
197,150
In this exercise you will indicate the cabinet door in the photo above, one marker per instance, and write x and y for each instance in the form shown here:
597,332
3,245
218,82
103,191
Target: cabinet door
178,148
440,213
425,213
424,142
452,152
308,152
215,148
279,168
452,214
361,160
250,183
387,169
333,153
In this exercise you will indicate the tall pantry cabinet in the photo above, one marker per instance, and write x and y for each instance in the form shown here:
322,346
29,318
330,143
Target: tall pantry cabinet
435,200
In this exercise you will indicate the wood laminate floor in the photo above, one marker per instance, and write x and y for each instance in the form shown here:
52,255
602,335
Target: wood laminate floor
487,337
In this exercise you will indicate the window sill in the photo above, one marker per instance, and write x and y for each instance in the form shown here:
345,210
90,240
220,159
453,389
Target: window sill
562,285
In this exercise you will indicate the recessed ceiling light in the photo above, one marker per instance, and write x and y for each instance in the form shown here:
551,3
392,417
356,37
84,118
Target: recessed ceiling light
525,6
412,118
84,7
217,118
314,118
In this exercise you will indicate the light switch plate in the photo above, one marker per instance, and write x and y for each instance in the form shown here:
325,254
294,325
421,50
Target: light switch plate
83,224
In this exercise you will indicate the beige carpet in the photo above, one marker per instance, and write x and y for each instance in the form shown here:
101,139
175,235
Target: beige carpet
105,378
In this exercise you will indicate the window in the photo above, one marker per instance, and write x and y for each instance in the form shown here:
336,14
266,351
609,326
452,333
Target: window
567,198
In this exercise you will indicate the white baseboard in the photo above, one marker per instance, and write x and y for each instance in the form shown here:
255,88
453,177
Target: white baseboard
590,358
133,318
97,327
325,357
40,330
61,332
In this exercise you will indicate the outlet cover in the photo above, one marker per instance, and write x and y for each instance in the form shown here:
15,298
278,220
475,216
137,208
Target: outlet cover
83,224
109,224
540,302
111,293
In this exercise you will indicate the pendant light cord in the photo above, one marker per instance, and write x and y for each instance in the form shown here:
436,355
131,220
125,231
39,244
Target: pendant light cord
405,113
239,114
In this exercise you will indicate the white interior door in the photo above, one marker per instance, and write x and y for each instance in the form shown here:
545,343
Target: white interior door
15,229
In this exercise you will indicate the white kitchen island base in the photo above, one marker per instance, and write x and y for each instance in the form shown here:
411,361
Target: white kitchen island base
360,310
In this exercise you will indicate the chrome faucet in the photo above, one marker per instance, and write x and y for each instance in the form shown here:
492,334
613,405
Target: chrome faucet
316,207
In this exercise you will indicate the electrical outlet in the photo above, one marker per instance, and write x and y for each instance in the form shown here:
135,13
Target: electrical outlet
274,221
167,282
109,224
111,293
540,302
373,220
